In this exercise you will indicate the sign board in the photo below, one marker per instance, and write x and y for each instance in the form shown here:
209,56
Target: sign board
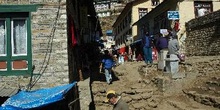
173,15
164,31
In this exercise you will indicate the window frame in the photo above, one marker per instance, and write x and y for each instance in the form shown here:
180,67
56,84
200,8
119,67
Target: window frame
201,4
9,12
142,12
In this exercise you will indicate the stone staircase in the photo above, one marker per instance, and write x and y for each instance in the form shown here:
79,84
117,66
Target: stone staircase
138,98
134,91
199,90
208,93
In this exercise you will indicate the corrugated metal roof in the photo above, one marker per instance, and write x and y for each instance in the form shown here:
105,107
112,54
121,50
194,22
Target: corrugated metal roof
7,92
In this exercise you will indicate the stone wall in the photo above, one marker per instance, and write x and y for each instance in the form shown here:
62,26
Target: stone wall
49,33
203,35
49,45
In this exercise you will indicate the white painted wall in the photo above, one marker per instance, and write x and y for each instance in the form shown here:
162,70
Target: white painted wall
216,5
186,10
135,14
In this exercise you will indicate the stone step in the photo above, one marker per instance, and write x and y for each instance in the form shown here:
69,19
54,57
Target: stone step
127,96
217,83
204,96
213,86
133,95
207,93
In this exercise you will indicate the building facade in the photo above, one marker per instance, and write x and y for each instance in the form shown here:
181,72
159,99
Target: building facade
41,41
105,8
203,38
124,29
187,9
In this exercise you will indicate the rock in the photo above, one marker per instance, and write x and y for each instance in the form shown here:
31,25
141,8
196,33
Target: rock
141,90
127,99
152,103
139,105
146,96
136,97
147,81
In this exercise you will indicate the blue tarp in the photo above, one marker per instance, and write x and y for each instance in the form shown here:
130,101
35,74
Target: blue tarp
35,99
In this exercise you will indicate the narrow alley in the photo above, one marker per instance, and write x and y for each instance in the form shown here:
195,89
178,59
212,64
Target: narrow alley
166,54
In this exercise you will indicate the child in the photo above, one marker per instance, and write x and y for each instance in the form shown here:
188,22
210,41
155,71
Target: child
139,57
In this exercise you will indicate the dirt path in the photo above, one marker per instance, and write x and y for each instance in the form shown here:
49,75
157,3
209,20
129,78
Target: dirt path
145,88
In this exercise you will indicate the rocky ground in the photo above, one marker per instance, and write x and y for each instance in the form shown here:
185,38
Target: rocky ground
145,88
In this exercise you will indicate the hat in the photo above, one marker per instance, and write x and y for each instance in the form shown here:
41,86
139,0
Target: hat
110,94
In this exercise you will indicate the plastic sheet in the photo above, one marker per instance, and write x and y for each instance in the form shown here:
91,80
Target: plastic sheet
24,100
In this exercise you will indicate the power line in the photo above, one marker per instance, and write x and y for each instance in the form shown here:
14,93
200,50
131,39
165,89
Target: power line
49,50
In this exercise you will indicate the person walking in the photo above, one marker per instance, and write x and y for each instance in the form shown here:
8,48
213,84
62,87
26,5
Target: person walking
147,48
173,45
121,58
107,62
116,101
162,47
115,59
162,42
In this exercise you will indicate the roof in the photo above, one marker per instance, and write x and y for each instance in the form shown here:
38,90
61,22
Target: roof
158,8
8,92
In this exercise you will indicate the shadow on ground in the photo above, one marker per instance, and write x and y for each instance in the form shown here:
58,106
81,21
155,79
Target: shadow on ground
95,75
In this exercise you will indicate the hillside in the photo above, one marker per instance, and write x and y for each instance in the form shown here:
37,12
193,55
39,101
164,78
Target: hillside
107,22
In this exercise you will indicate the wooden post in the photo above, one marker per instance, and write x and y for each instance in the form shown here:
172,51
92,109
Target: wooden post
80,75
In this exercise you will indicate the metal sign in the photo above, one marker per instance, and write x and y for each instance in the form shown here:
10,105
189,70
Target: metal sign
173,15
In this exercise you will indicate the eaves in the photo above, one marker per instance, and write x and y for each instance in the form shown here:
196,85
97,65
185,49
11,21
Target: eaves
160,8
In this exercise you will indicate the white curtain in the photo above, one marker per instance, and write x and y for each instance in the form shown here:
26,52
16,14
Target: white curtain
2,37
19,37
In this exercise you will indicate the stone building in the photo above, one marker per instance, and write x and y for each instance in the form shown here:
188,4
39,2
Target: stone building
41,41
203,38
185,10
106,8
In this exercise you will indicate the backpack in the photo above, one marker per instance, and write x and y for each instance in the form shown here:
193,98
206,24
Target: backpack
108,62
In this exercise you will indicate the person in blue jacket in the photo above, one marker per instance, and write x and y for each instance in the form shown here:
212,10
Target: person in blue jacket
147,48
107,63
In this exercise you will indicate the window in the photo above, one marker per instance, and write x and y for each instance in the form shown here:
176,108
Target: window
19,37
15,39
155,2
142,12
14,55
2,38
202,8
